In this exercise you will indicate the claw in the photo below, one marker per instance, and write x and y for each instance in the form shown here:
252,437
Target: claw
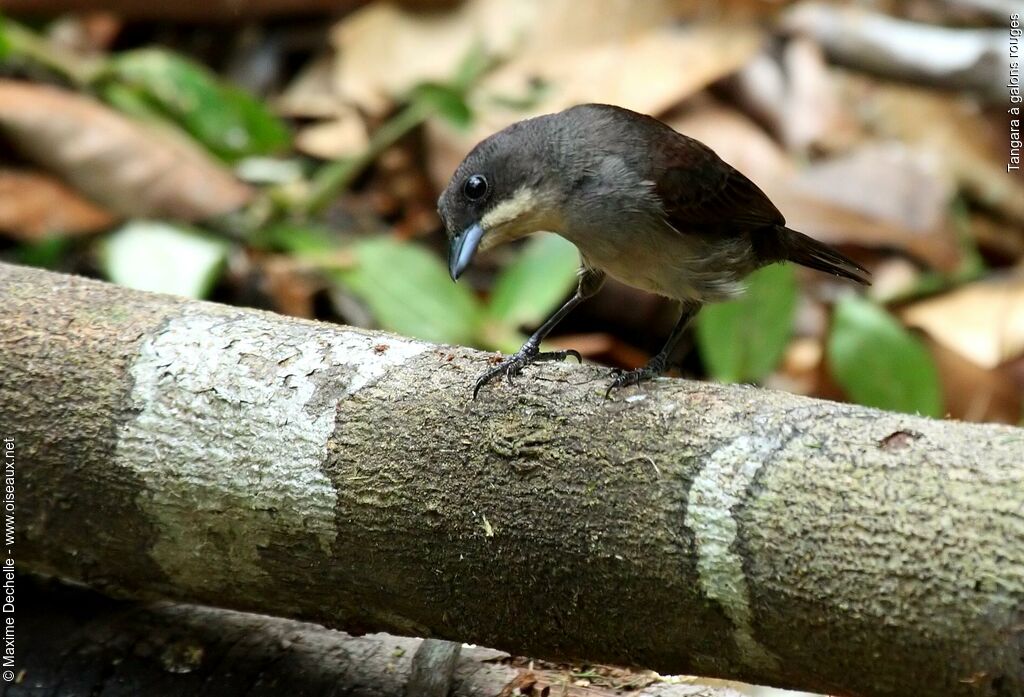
630,377
514,364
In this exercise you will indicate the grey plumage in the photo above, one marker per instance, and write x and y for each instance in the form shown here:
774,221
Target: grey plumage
642,203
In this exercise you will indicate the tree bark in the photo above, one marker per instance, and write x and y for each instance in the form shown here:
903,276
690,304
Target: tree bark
177,449
77,642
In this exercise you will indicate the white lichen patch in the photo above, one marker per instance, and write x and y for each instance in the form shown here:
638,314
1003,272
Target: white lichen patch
233,418
719,486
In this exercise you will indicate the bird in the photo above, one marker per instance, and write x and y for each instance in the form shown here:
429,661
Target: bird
643,203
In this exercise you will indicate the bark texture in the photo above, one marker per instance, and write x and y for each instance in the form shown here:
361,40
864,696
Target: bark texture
72,641
184,450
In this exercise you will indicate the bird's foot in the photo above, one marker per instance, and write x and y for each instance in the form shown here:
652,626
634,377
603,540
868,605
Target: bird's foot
632,377
514,364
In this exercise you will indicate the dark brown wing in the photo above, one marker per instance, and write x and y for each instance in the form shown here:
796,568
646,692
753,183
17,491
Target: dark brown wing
701,193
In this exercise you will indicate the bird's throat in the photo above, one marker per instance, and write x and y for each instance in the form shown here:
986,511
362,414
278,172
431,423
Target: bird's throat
525,212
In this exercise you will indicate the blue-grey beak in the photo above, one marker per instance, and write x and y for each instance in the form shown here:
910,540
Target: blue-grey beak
462,248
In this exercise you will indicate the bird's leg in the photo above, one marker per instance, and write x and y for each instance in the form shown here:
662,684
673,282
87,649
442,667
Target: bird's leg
590,282
657,365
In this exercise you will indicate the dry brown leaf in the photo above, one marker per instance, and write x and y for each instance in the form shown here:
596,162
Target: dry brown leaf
792,92
384,50
888,180
130,168
34,206
649,72
311,94
290,285
837,224
997,238
984,321
953,127
343,136
973,393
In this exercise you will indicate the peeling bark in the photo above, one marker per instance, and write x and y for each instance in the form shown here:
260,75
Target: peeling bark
186,450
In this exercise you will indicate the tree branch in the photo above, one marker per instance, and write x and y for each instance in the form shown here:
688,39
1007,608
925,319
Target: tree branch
78,642
168,448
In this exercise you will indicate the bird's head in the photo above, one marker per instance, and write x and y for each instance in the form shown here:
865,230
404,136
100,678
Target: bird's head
502,191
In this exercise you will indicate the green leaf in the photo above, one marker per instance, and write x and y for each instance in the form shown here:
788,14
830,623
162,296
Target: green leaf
879,363
47,253
408,290
5,43
296,239
225,119
163,258
446,101
530,289
474,65
742,340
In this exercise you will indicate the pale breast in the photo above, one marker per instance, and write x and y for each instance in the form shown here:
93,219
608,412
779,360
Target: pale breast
616,220
664,261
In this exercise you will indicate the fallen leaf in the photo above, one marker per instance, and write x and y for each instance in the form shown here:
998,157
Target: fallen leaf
162,258
34,206
132,169
649,72
742,340
973,393
983,321
972,149
906,187
290,284
879,363
791,89
887,180
343,136
383,50
408,290
311,94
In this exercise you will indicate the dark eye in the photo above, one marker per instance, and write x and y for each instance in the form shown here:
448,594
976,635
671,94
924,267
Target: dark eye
475,187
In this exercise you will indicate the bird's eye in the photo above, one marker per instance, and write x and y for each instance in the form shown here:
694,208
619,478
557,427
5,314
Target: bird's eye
475,187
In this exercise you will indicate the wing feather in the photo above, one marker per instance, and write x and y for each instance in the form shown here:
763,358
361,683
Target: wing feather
702,193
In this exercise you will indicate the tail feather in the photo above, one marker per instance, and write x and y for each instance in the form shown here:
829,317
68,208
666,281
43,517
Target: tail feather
809,252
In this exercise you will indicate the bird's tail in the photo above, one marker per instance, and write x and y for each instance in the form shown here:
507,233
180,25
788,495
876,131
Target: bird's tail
809,252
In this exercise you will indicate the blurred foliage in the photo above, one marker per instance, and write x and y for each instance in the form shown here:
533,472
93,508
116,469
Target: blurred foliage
408,290
404,285
743,340
529,289
5,43
229,122
163,258
44,254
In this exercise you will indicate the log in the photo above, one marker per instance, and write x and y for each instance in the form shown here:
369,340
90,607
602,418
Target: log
166,448
76,641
